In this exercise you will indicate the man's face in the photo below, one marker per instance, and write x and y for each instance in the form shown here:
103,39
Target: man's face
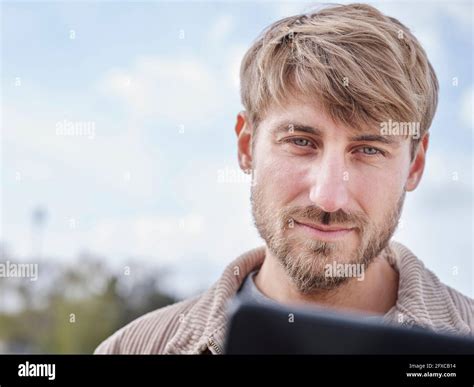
324,193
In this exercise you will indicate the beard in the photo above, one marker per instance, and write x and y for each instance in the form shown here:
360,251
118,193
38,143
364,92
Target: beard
305,259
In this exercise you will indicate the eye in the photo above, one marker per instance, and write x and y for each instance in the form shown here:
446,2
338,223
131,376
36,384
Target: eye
370,151
299,141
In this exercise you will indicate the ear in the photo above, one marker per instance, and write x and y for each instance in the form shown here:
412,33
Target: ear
418,164
244,141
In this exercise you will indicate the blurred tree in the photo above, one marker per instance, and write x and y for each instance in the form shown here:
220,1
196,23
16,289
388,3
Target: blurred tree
72,308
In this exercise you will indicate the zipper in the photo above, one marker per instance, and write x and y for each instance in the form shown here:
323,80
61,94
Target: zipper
214,345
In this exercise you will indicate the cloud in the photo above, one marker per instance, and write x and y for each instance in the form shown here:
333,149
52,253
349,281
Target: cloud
147,235
183,90
467,107
236,54
221,28
444,167
211,228
216,227
460,13
286,8
121,162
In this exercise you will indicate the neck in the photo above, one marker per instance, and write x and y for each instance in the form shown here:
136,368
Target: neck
376,294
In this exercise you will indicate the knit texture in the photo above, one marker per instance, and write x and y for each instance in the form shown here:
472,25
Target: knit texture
197,325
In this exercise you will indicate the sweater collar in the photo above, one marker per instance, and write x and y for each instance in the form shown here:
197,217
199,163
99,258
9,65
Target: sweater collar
204,325
422,300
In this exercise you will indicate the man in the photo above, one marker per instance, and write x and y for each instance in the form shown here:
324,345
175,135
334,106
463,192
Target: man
338,104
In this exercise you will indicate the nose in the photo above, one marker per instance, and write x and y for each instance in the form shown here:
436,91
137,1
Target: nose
329,190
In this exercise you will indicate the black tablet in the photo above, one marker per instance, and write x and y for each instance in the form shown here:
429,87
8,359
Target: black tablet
278,329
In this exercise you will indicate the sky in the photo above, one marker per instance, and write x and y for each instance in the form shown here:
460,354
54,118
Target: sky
150,172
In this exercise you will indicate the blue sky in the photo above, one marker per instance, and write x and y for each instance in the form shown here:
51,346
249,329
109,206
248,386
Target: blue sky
159,82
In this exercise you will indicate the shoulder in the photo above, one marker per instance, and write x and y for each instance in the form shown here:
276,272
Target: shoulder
187,326
464,305
423,297
149,333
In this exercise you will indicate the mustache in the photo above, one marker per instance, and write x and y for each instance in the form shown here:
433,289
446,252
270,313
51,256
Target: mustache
317,215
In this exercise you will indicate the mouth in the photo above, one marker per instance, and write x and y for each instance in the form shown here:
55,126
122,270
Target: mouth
327,233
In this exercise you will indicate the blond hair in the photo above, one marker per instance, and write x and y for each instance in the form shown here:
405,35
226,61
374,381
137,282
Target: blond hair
363,67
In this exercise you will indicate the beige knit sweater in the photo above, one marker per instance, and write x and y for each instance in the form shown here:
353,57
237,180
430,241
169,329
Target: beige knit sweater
197,325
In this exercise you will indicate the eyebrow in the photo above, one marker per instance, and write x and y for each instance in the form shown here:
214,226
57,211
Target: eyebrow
285,128
375,138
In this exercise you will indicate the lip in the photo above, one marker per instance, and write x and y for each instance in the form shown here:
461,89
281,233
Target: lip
325,232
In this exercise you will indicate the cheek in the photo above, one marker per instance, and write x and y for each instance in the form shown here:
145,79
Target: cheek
377,191
280,178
